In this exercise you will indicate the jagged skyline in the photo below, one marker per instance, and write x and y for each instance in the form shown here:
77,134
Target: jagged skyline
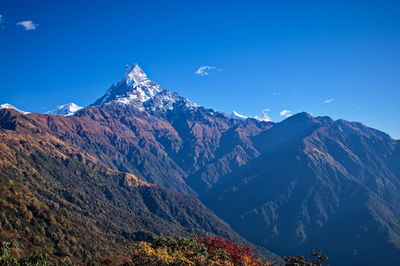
335,59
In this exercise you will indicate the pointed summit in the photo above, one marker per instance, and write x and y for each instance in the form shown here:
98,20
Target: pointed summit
134,89
134,74
138,91
263,117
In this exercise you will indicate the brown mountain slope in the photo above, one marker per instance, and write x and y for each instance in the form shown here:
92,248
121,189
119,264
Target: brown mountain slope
57,199
292,186
203,145
318,183
127,145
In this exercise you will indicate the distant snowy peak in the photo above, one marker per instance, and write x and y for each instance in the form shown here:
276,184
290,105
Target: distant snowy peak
139,91
9,106
65,110
238,116
261,117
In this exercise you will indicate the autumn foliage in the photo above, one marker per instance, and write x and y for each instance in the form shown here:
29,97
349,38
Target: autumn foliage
208,250
237,254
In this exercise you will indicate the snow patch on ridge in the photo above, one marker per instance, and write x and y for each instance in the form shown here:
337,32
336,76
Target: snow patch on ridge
9,106
260,117
238,116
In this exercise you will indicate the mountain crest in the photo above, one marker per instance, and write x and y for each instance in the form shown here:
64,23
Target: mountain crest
263,117
65,109
9,106
134,89
134,75
137,90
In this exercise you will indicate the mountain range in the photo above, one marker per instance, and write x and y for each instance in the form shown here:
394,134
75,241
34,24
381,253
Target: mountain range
142,158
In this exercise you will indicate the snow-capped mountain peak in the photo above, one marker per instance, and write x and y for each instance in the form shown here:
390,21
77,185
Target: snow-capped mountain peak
263,117
238,116
65,109
135,75
9,106
260,117
137,90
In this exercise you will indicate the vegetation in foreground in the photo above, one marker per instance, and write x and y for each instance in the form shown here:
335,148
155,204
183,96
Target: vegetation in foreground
208,250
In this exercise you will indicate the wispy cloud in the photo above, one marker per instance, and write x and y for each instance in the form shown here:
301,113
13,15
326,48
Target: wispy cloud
27,25
1,20
205,70
328,101
275,93
286,113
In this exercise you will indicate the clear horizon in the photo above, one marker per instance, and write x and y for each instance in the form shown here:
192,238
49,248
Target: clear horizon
328,59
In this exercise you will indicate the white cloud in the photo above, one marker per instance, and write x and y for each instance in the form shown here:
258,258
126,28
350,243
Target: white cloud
28,25
1,18
329,101
275,94
205,70
285,113
266,110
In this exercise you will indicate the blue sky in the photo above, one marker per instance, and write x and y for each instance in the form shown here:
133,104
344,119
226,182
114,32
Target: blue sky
280,55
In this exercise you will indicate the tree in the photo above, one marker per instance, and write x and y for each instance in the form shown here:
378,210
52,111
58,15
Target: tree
317,258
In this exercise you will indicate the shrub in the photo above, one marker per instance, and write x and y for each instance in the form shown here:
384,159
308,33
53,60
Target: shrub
209,250
237,254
